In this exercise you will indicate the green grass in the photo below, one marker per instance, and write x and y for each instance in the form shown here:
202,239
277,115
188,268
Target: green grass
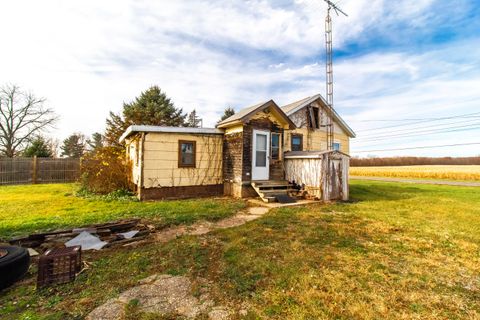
35,208
396,251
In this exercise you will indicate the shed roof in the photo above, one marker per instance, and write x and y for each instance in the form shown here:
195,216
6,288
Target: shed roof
144,128
291,108
311,154
246,113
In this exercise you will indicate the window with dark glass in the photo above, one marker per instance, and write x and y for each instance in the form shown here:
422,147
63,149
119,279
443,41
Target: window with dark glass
186,154
275,149
297,143
313,117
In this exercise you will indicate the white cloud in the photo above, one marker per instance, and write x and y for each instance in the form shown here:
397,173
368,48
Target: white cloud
88,57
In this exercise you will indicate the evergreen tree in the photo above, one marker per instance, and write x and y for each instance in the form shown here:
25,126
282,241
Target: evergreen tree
193,120
152,107
73,146
38,147
96,142
116,126
227,113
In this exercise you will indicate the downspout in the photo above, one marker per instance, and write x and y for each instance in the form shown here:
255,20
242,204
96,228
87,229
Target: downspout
142,165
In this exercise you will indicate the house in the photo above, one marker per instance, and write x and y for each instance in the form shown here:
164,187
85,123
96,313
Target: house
261,150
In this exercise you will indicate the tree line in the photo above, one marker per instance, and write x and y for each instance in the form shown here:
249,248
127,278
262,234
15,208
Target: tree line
411,161
24,122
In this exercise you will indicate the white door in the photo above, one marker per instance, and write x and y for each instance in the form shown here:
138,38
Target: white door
260,155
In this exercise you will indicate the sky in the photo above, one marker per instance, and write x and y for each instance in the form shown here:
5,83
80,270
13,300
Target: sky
407,72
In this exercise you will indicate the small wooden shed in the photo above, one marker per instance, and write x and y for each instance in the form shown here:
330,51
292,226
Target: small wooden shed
323,174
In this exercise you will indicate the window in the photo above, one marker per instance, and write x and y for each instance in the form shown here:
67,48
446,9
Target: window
186,154
336,146
261,150
275,150
297,142
313,118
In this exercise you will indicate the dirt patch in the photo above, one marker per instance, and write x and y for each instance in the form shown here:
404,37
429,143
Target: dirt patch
164,295
200,228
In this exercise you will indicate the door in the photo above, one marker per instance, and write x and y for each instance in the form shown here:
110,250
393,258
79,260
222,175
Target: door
335,185
260,155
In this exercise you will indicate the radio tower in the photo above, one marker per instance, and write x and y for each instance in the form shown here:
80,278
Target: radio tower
329,69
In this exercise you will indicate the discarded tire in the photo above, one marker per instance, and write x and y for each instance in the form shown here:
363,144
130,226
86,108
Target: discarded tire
13,265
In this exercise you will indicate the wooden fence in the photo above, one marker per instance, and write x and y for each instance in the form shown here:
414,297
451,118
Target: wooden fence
38,170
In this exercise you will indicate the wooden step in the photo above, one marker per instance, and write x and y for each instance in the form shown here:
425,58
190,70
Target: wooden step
268,189
269,199
269,183
278,191
264,186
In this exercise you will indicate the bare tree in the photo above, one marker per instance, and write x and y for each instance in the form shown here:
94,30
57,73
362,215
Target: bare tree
22,118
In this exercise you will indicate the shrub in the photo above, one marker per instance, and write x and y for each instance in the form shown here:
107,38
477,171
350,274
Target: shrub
105,171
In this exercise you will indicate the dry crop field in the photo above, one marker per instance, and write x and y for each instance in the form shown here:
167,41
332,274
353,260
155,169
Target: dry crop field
455,172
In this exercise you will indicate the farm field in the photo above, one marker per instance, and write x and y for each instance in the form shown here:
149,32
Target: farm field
34,208
448,172
395,251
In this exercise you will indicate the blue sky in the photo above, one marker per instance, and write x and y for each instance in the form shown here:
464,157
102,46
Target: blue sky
394,60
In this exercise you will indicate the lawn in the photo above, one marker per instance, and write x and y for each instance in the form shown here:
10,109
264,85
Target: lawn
34,208
396,251
448,172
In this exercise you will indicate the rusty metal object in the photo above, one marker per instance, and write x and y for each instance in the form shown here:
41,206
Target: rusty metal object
3,253
59,266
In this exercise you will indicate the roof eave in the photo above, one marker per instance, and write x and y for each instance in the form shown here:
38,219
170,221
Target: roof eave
261,107
126,134
228,124
160,129
337,117
289,121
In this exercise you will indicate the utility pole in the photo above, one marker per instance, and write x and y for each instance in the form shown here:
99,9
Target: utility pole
329,70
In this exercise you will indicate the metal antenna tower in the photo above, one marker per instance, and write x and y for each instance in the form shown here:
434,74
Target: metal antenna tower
329,69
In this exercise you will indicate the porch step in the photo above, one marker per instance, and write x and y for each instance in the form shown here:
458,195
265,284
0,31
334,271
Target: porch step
272,186
277,191
268,190
270,182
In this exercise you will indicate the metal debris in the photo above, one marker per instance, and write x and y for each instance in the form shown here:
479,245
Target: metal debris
86,241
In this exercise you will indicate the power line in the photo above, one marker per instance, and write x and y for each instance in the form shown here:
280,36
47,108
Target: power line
392,120
395,120
432,126
423,121
368,143
421,147
424,132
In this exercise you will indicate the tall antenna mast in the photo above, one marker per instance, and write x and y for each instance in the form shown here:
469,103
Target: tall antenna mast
329,69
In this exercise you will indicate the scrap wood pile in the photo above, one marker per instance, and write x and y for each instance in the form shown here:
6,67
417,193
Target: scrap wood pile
94,236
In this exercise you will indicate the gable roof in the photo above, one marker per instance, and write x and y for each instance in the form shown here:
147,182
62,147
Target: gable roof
245,114
291,108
